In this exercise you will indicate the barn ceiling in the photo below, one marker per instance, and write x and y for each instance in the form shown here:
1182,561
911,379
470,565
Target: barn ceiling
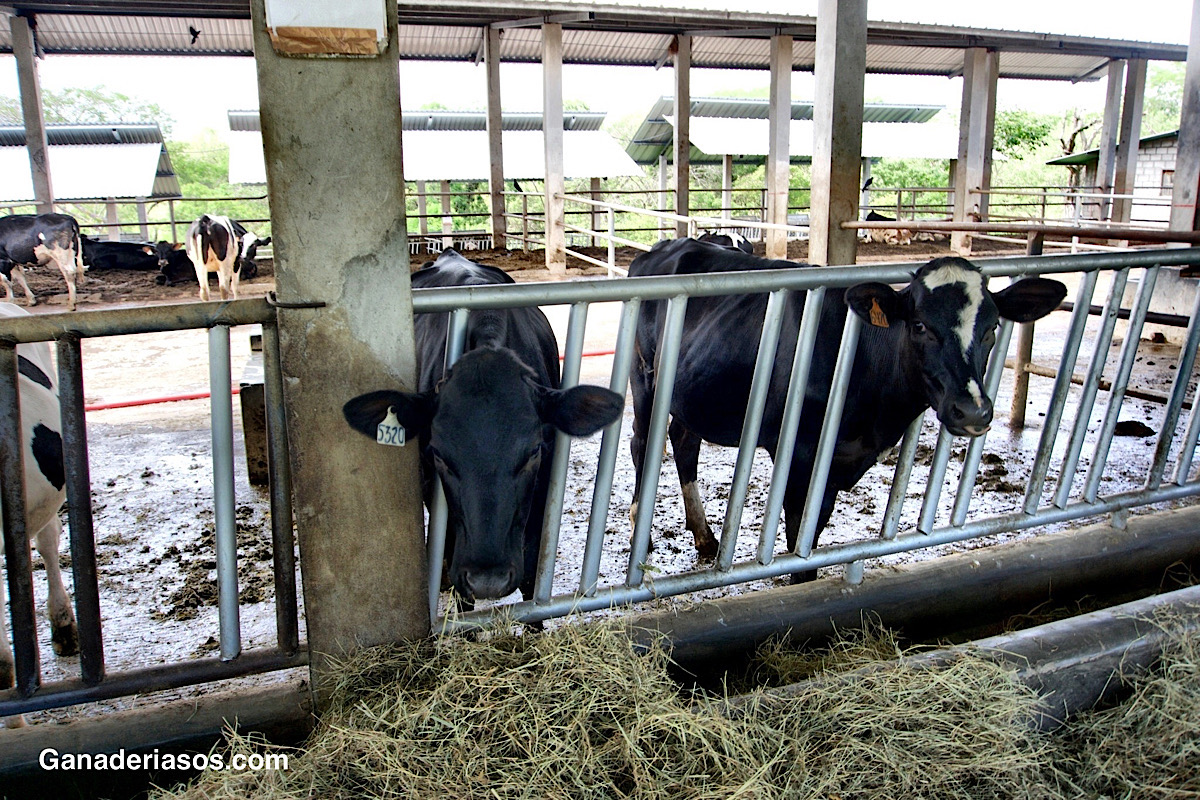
592,34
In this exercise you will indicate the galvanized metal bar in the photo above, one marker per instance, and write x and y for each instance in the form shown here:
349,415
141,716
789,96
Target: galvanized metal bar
1187,360
1112,414
27,661
656,439
279,468
760,385
552,521
1062,386
669,585
933,484
1183,462
435,546
904,464
609,445
221,410
829,429
1091,385
143,319
970,469
79,510
785,448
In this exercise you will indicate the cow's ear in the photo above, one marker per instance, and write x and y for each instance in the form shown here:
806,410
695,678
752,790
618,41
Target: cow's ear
877,304
580,410
264,240
1029,299
413,411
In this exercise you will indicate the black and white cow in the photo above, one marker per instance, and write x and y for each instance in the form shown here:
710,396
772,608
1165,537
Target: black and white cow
38,239
487,429
730,239
924,346
45,478
221,245
897,236
99,254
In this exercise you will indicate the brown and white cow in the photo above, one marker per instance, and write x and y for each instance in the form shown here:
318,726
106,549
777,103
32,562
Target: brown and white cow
39,239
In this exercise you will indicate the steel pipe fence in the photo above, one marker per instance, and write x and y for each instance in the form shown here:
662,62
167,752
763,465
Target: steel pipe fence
1068,502
95,682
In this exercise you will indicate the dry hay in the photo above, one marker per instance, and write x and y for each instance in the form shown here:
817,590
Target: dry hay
576,714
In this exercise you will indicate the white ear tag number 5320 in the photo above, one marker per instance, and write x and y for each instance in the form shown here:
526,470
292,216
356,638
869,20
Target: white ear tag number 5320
390,432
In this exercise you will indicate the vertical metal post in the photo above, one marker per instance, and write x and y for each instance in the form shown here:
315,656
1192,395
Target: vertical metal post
456,338
1187,360
171,210
525,222
933,485
221,406
904,464
79,510
283,545
612,243
16,533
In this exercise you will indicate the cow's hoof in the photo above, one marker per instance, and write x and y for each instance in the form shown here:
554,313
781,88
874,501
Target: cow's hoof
706,546
65,640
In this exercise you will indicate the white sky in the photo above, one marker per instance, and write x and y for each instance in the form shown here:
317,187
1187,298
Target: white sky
630,91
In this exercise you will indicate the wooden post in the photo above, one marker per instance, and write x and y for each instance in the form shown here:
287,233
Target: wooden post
779,172
143,220
1187,159
447,220
423,211
552,126
727,186
975,132
31,110
113,229
837,152
1020,398
683,130
1131,134
495,127
597,214
663,205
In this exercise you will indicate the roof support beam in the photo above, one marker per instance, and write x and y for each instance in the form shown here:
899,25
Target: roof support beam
1131,134
1107,166
552,128
495,125
976,132
365,579
779,172
838,113
683,124
31,110
547,19
1187,160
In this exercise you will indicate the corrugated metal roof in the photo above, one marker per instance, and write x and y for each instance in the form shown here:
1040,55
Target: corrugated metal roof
655,134
1088,156
751,137
443,120
618,35
121,133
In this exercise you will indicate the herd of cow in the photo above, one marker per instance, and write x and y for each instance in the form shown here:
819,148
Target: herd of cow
214,244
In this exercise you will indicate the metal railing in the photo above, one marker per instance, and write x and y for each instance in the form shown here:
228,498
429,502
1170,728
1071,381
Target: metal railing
1068,502
67,330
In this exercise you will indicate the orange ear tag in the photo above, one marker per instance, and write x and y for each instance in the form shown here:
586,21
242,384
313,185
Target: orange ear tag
878,318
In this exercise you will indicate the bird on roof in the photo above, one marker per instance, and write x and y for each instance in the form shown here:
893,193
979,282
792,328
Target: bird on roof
195,33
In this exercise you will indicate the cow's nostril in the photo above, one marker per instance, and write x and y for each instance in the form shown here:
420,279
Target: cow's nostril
483,584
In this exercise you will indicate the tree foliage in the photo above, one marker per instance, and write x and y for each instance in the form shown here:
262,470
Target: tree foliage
1020,133
89,106
1164,98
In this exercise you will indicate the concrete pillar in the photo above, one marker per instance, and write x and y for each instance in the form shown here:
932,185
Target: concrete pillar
447,220
31,110
495,125
1107,166
112,231
361,536
552,126
663,205
779,172
837,150
727,186
683,129
1187,160
975,132
1131,133
422,210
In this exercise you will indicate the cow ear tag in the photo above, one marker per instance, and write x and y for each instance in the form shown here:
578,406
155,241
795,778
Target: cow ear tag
390,432
878,318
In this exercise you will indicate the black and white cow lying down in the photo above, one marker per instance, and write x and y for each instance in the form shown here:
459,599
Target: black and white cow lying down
39,239
221,245
487,429
44,493
924,346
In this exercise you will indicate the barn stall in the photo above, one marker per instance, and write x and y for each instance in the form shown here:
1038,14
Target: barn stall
319,343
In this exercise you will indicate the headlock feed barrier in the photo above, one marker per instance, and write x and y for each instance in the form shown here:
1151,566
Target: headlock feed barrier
1165,474
94,682
1074,496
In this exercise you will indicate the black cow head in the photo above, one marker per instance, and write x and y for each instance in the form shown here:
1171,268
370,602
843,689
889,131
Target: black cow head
247,267
486,431
948,318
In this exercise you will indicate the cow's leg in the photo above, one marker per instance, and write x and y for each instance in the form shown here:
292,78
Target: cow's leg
19,271
233,281
202,276
64,635
8,290
687,456
223,280
8,677
642,385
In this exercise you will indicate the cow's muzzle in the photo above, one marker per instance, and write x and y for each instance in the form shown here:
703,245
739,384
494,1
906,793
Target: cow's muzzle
478,583
966,416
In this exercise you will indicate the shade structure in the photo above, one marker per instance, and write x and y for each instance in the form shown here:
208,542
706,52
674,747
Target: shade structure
749,137
84,172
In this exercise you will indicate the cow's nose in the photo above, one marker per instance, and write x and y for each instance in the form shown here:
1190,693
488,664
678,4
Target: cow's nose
967,416
481,583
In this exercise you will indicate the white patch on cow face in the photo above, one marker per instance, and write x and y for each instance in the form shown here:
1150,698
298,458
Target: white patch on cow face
976,394
972,286
248,241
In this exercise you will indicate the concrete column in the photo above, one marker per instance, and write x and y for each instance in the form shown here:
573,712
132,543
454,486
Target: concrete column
837,151
422,209
1131,133
1107,166
447,220
31,110
112,232
361,536
975,133
552,125
1187,160
779,172
683,129
663,205
495,125
727,185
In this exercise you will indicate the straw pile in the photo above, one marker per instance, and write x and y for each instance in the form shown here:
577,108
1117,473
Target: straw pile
576,714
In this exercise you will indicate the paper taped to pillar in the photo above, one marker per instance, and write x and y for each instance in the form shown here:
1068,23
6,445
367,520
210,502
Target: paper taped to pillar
320,29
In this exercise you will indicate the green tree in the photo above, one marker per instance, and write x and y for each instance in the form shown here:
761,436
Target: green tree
1164,98
89,106
1020,133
